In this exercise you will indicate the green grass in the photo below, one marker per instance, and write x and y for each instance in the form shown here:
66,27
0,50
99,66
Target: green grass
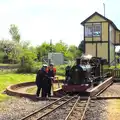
12,78
7,79
10,65
117,66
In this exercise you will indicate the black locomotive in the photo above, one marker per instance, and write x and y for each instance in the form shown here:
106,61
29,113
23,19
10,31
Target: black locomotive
86,72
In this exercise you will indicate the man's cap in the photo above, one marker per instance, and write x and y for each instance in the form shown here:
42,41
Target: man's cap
44,65
51,64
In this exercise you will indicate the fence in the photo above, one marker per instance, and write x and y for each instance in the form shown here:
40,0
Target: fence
7,69
114,72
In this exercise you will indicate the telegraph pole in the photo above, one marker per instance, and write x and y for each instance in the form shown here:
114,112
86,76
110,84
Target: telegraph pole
104,8
51,51
51,45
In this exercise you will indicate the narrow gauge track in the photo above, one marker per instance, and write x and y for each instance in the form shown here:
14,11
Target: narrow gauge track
78,110
39,114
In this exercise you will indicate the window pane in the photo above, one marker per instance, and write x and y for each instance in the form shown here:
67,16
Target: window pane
96,29
88,30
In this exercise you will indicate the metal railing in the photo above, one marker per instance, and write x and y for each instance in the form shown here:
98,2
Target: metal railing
114,72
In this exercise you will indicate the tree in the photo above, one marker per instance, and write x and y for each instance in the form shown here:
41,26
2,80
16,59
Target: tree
61,47
43,50
81,46
14,33
11,49
28,57
74,51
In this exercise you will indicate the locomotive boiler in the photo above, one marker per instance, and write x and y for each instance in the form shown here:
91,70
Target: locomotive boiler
86,72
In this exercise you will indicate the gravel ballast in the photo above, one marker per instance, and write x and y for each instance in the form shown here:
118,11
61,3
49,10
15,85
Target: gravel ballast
103,110
112,91
16,108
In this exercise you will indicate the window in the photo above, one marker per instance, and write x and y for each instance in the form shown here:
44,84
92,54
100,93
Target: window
96,29
92,30
88,30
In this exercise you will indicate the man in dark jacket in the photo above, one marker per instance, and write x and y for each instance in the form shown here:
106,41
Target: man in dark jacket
41,81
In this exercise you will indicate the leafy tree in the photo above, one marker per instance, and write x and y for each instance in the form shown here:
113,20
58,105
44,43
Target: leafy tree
73,52
61,47
2,54
81,46
11,51
24,44
43,50
27,61
14,33
15,53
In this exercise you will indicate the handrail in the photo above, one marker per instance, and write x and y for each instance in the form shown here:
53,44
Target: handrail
113,61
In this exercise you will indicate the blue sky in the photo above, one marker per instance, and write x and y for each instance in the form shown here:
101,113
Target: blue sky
42,20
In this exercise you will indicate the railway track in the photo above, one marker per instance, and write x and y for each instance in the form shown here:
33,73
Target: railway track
78,110
39,114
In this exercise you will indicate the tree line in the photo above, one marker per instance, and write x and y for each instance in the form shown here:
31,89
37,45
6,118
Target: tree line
16,51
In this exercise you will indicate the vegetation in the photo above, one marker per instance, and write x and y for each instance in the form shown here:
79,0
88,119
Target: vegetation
13,78
20,52
28,59
117,66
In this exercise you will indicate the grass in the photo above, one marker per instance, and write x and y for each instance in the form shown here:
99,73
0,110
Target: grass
117,66
9,65
7,79
12,78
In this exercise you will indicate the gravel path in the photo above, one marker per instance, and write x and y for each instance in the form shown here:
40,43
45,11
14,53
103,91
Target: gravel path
16,108
112,91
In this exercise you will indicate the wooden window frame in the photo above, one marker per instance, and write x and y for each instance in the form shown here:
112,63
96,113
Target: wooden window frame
92,25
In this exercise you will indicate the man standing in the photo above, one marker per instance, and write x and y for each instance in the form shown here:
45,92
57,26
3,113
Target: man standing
51,75
41,81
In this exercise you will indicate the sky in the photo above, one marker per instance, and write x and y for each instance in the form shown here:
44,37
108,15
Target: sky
41,20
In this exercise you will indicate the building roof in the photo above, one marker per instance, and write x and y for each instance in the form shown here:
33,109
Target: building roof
96,13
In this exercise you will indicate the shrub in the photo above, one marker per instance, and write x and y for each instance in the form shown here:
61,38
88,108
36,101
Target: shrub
61,69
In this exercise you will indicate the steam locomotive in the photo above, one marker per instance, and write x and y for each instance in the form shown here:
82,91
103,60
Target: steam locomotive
86,73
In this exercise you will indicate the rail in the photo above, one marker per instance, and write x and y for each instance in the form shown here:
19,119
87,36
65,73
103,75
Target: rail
79,109
49,108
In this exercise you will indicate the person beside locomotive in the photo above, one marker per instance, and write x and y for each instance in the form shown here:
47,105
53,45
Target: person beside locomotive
51,74
41,81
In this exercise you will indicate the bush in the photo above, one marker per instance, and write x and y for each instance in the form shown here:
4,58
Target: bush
1,56
31,67
61,69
